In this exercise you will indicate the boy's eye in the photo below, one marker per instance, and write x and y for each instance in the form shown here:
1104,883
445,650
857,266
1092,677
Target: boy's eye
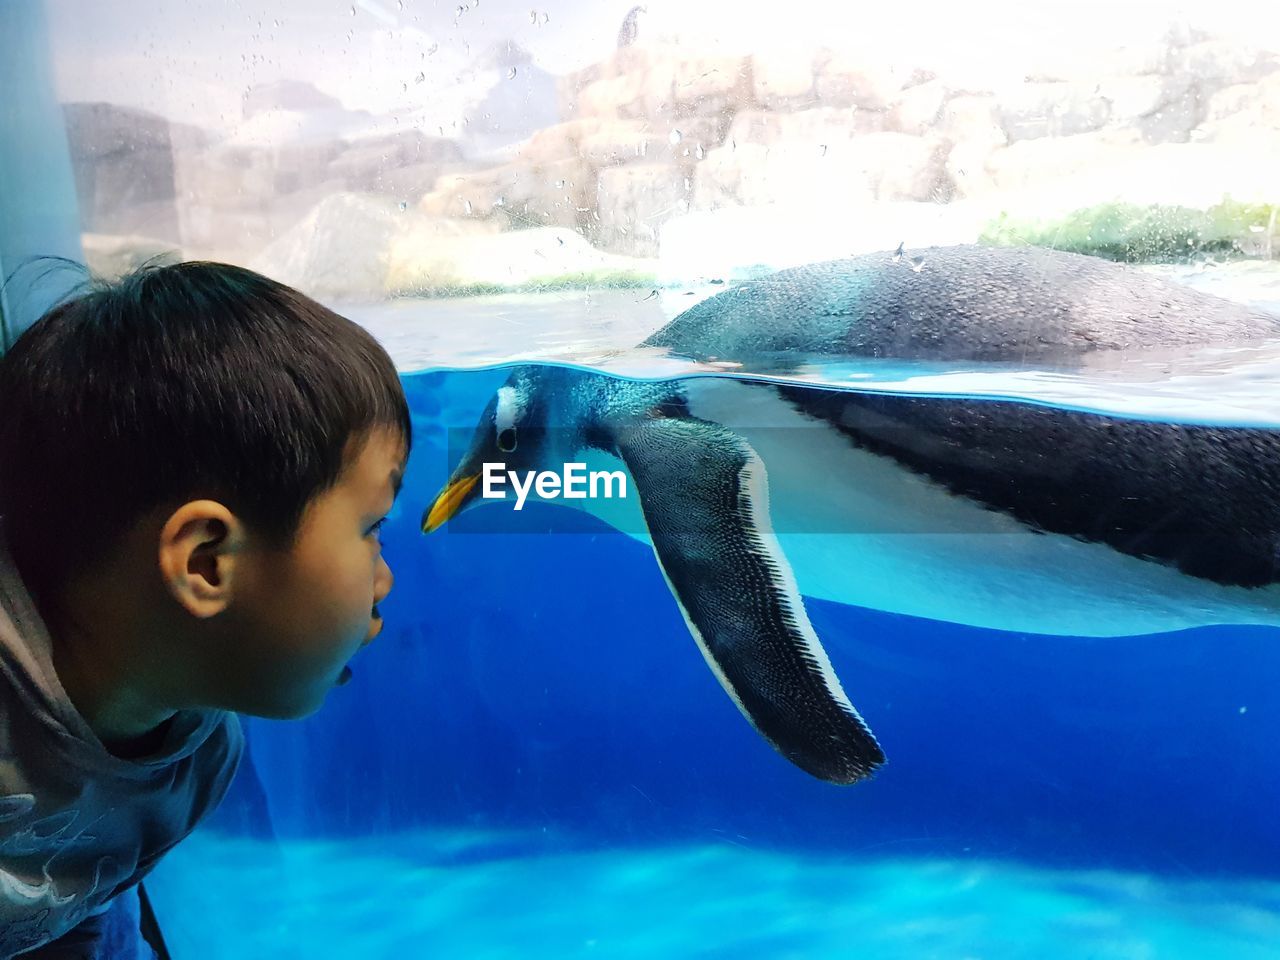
376,527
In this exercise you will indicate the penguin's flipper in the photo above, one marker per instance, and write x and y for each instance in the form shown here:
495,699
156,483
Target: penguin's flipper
705,499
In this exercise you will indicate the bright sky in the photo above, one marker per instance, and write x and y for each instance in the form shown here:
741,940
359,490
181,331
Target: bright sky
193,60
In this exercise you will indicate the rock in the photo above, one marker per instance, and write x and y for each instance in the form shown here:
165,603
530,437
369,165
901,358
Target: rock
783,80
634,201
227,201
971,123
658,84
744,242
843,81
1181,110
710,86
1052,110
123,163
817,126
623,141
374,164
1220,63
972,117
521,99
279,129
1237,112
648,91
555,193
424,263
1130,99
917,110
1231,100
1032,164
562,141
112,256
638,141
884,166
593,90
1052,177
340,250
286,95
237,232
353,247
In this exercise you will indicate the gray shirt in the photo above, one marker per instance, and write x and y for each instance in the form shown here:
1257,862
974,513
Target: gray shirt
79,825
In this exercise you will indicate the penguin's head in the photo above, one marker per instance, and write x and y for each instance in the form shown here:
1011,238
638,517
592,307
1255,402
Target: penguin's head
512,432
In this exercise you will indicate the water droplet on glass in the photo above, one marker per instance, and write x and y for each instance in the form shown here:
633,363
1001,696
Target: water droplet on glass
500,202
404,205
823,147
399,4
466,206
458,11
676,137
432,49
404,88
546,18
559,184
353,11
511,74
533,17
699,152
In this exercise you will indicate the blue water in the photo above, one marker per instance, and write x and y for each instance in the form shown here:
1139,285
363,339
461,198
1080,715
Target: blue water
533,760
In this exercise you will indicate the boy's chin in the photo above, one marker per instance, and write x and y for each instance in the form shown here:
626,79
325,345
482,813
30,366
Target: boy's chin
297,710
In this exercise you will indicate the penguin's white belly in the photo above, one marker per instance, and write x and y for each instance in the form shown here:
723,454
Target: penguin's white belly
861,529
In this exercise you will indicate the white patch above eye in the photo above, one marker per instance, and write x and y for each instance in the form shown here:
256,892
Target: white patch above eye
504,418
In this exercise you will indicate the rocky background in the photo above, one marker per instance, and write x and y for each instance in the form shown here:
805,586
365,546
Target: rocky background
661,162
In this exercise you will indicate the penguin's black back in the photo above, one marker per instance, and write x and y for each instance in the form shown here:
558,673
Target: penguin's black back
963,303
1204,499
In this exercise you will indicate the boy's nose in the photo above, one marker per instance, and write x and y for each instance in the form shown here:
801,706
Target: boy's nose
382,584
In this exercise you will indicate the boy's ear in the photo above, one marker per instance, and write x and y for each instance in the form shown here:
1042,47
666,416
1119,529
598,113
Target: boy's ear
199,545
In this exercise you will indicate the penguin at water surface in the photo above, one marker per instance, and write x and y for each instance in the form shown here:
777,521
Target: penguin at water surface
995,513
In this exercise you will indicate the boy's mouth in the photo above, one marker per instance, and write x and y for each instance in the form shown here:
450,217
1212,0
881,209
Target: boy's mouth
345,676
377,626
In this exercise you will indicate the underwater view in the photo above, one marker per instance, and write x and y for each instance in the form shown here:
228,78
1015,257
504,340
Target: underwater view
533,759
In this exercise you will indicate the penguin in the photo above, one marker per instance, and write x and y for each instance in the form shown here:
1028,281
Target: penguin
997,513
630,28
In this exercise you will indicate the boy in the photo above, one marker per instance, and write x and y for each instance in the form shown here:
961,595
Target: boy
194,465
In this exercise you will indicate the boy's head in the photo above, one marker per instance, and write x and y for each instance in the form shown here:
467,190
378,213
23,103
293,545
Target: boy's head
202,455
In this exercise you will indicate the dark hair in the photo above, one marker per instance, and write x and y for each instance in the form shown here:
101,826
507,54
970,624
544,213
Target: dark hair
195,380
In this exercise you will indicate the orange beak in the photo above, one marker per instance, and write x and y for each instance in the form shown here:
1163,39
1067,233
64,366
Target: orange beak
448,502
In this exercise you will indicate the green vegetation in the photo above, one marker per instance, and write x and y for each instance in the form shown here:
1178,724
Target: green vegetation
1138,234
579,280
